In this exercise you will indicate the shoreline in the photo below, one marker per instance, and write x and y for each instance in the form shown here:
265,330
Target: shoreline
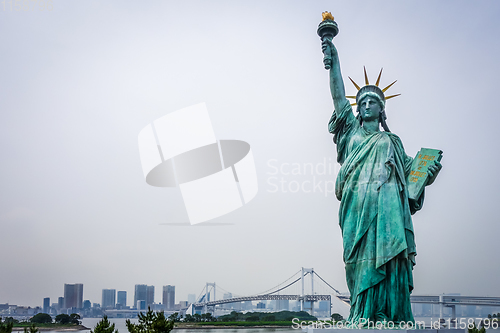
228,326
54,328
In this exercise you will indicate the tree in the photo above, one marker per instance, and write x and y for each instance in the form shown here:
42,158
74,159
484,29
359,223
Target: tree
104,326
337,317
151,322
188,318
41,318
74,318
6,327
32,328
63,318
174,317
269,318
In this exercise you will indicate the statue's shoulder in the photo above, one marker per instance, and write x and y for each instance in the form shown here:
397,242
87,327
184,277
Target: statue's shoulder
395,140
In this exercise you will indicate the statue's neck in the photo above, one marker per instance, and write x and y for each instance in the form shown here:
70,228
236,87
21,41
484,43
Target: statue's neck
371,126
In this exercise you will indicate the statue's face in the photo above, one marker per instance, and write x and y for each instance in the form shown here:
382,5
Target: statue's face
369,108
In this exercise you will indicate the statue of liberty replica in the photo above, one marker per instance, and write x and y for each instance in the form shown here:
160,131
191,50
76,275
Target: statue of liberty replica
375,186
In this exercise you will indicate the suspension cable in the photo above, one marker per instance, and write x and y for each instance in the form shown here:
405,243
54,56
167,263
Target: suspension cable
338,292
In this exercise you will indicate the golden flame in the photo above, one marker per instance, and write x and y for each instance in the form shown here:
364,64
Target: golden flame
327,16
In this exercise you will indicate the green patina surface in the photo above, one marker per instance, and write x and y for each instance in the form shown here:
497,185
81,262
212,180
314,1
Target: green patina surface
375,208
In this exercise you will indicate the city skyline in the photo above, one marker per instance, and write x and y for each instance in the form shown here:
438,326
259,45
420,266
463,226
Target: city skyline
81,80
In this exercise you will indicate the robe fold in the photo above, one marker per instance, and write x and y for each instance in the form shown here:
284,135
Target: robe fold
375,219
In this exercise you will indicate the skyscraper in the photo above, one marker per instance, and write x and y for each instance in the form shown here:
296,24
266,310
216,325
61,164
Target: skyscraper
169,297
60,303
122,298
108,298
144,293
46,305
150,295
73,296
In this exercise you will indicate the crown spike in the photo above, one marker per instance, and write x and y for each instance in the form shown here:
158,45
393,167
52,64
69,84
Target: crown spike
385,89
366,76
350,96
352,104
357,87
392,96
379,75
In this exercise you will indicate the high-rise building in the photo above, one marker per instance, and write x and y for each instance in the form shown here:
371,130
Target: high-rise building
150,295
282,304
121,298
169,297
144,293
108,298
60,303
46,305
191,298
87,304
139,293
73,296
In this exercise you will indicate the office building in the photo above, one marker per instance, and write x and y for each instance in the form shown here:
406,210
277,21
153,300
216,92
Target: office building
73,296
141,305
150,295
144,293
46,305
121,298
139,293
191,298
108,298
169,297
60,303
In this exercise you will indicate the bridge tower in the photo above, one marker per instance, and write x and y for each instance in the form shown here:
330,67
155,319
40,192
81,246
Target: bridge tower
207,296
303,274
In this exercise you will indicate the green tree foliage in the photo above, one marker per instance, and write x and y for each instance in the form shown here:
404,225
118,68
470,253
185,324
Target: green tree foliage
6,327
31,329
252,318
269,318
74,318
104,326
63,319
175,317
41,318
337,317
151,322
475,329
189,318
261,316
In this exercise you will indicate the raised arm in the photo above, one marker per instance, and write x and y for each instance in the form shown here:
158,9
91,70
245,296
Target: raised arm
336,83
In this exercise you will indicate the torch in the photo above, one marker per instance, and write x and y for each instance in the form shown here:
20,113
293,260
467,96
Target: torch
327,29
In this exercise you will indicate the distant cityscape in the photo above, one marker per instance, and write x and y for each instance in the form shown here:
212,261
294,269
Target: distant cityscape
114,305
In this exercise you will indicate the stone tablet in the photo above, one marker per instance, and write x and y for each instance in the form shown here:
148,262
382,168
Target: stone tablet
417,179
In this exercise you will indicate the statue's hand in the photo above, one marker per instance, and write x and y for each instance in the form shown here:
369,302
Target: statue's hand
328,48
433,171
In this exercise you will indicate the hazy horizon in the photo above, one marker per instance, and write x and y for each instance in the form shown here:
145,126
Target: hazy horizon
80,81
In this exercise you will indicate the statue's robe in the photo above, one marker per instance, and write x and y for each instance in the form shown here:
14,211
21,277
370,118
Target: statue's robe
375,219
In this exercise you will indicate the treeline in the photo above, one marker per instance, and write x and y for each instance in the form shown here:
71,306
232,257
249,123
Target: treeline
266,317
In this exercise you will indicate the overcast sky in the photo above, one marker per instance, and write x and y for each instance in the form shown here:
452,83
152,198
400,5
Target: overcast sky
78,83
